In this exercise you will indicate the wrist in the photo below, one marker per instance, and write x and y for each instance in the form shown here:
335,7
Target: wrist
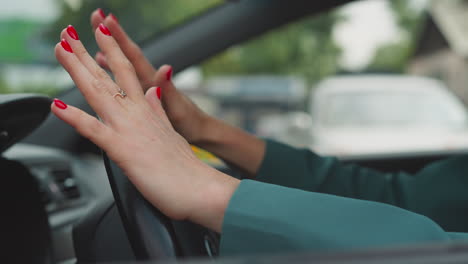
213,199
207,132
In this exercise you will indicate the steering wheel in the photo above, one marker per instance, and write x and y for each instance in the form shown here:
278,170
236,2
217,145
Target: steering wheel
153,235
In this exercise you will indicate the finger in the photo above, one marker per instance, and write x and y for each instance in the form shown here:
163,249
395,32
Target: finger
101,60
87,125
79,50
164,75
153,97
97,17
163,78
120,66
143,67
98,92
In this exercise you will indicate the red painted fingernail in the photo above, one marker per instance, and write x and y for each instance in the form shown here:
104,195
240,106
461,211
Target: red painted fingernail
72,32
101,13
114,18
158,92
66,46
60,104
169,74
104,30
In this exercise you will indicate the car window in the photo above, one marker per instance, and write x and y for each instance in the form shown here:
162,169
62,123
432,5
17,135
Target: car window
29,30
406,44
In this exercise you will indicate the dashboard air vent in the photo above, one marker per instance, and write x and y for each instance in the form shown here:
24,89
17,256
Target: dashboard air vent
66,183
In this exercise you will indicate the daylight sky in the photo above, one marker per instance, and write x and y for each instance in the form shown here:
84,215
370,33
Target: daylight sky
369,24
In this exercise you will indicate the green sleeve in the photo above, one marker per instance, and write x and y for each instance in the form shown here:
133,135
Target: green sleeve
266,218
437,191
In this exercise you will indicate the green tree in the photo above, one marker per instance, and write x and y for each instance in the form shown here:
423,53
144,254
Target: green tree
394,56
142,19
408,17
305,48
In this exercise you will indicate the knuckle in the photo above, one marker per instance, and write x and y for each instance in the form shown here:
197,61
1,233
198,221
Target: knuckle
98,84
100,73
99,87
94,126
89,127
126,65
80,52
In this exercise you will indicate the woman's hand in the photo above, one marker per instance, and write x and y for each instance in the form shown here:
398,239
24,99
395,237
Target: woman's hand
225,141
136,134
185,116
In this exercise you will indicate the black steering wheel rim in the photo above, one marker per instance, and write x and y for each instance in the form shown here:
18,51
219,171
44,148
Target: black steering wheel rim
152,235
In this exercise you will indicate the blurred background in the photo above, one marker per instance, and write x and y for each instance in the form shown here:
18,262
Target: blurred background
372,77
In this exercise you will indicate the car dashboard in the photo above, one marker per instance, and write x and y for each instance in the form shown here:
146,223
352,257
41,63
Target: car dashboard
70,186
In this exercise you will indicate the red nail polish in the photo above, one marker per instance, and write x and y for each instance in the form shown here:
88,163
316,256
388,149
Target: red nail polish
101,13
66,46
169,74
158,92
104,30
114,18
72,32
60,104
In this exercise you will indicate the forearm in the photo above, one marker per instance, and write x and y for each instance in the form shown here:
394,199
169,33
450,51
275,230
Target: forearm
266,218
232,144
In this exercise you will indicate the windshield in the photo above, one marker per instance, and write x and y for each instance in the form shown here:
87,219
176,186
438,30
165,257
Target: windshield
387,109
29,30
256,84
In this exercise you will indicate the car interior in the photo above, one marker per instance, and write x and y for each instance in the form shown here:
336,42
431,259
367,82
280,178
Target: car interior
64,201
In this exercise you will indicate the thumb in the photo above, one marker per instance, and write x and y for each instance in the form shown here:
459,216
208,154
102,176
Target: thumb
163,78
169,93
153,97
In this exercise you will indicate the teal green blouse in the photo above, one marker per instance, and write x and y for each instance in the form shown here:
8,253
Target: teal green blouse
303,202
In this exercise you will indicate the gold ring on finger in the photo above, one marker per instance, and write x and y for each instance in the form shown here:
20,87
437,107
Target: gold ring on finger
121,93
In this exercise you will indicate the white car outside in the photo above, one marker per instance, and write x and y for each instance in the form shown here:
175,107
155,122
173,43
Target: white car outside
381,114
